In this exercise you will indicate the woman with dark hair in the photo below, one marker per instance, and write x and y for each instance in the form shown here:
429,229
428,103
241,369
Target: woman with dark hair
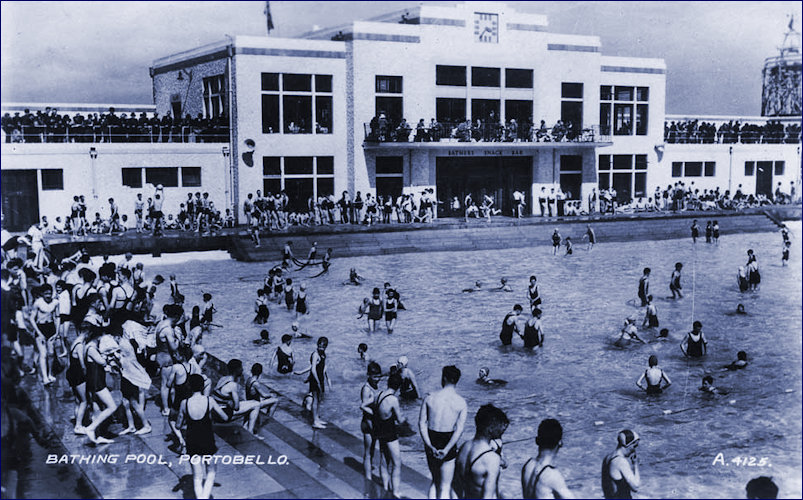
96,388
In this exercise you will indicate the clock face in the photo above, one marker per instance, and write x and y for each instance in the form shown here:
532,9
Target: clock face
486,27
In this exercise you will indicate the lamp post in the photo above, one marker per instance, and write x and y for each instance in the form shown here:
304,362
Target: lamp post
226,154
93,155
730,167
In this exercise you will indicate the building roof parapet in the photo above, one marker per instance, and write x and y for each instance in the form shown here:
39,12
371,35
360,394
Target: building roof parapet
201,51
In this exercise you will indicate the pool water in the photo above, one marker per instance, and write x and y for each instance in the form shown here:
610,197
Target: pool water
579,377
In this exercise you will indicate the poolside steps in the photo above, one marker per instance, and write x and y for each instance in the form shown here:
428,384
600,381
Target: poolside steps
481,236
320,463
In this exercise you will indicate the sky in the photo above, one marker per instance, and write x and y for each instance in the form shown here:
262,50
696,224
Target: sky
100,52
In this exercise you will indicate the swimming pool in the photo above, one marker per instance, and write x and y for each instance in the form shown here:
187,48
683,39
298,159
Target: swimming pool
578,377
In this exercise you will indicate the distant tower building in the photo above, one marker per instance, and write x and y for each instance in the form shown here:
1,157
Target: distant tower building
781,93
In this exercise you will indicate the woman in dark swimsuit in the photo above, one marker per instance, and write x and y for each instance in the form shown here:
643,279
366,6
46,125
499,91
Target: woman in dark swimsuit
96,384
284,357
532,336
533,294
367,398
196,411
375,310
76,377
391,306
387,433
301,301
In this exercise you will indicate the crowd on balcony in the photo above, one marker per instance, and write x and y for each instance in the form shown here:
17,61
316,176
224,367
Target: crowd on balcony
732,132
383,129
53,127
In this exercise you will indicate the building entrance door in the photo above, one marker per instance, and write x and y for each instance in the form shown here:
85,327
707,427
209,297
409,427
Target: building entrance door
497,177
764,178
20,199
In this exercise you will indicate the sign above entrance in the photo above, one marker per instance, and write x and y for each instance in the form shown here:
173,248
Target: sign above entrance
485,152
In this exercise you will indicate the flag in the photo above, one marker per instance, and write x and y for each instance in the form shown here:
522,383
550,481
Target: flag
270,18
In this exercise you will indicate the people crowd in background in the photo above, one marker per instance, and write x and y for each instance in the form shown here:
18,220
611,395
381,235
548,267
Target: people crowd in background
384,129
696,132
53,127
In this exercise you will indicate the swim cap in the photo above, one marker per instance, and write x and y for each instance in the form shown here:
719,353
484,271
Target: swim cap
627,437
294,326
403,360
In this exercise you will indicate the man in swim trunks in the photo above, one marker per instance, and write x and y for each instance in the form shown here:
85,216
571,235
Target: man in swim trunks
644,286
620,471
479,460
653,376
441,422
539,478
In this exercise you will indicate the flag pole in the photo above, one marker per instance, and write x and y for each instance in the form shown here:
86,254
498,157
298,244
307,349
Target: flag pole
268,16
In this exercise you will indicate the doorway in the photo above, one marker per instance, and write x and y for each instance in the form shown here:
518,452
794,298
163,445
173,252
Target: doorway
20,199
494,176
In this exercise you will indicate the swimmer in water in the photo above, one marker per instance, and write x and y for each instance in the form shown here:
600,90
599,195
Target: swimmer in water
533,335
510,325
785,255
296,333
569,246
708,386
592,238
654,376
287,254
375,309
628,333
651,315
555,241
741,362
284,356
409,388
503,286
663,334
674,282
264,338
477,288
695,345
533,294
740,309
644,286
741,277
362,349
354,278
485,378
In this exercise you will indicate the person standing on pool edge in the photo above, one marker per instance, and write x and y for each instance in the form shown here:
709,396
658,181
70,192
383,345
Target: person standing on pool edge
441,423
539,478
620,471
479,461
644,286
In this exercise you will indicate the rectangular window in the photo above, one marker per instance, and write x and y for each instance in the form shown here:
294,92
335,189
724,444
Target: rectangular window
677,169
571,163
450,110
604,180
214,96
642,94
641,119
271,186
297,165
623,119
571,90
296,83
640,187
485,77
486,110
299,190
326,186
323,83
270,82
710,169
392,107
166,176
604,162
270,114
779,167
271,165
605,118
190,176
388,84
518,78
622,162
52,179
326,165
132,177
624,93
641,162
693,169
605,93
323,114
522,112
450,75
297,114
749,168
389,165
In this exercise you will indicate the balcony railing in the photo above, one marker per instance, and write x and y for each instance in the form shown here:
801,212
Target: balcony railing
748,134
464,132
106,134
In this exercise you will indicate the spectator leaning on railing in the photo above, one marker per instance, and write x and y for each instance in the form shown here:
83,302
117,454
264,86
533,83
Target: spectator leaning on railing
732,132
50,126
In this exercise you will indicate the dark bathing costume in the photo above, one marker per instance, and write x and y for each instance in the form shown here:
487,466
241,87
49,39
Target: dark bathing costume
613,488
385,430
285,361
652,389
506,335
200,435
439,441
695,349
530,336
313,384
